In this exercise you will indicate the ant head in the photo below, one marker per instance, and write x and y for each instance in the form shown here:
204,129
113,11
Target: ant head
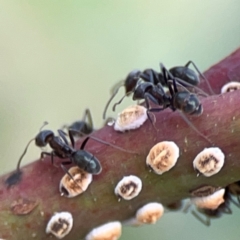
188,103
131,80
43,138
87,162
185,74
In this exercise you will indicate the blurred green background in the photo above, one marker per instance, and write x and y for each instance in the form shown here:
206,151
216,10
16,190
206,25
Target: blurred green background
60,57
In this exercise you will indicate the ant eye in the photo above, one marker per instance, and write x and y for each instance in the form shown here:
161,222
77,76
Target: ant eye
129,187
60,224
108,231
131,118
210,202
75,182
230,87
149,213
163,156
209,161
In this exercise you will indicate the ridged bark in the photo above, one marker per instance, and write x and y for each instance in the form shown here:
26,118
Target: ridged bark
220,122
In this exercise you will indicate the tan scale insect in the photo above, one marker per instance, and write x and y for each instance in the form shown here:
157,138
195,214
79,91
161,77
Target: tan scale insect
108,231
71,187
209,161
149,213
131,117
204,191
129,187
230,87
210,202
163,156
60,224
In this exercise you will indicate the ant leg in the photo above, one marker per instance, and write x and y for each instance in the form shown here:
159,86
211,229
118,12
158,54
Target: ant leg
70,134
236,203
206,222
184,117
226,209
104,142
43,154
148,98
51,154
67,172
166,74
88,116
202,76
62,135
190,85
186,208
149,75
181,83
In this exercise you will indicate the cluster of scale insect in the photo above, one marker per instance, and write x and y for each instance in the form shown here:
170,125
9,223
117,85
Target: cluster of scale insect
175,89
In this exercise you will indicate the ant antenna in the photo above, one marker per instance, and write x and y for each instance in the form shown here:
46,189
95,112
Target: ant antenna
114,92
16,176
23,154
44,124
109,101
26,148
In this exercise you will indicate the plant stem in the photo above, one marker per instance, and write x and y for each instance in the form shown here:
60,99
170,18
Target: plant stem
220,122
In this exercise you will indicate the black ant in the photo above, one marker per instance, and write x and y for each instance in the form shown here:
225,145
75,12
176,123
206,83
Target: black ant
82,127
61,148
216,213
183,100
183,75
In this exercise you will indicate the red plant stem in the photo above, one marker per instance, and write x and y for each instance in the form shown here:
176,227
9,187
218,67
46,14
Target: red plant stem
220,122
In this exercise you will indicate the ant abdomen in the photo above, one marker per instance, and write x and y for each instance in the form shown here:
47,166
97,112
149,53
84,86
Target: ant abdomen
87,162
186,74
188,103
